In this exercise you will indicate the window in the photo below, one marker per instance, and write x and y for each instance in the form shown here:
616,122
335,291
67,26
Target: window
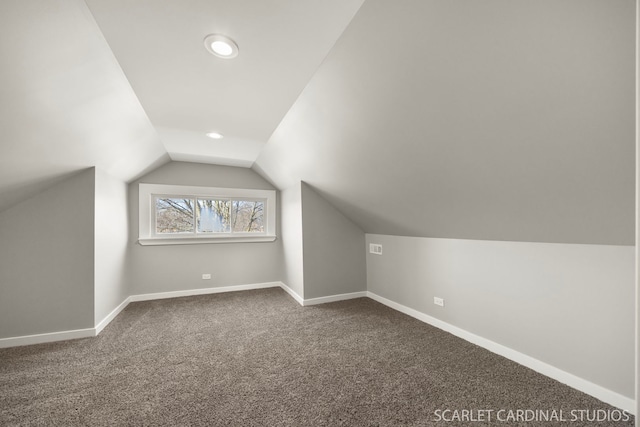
172,214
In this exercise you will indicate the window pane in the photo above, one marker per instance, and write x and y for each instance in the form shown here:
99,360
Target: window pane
248,216
213,216
174,215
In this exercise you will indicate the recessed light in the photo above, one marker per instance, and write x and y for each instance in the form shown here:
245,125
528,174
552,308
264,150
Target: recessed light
221,46
215,135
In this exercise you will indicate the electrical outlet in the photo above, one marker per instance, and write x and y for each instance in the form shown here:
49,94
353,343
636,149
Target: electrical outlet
375,249
438,301
206,276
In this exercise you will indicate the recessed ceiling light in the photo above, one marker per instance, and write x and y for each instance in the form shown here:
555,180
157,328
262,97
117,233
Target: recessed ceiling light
221,46
215,135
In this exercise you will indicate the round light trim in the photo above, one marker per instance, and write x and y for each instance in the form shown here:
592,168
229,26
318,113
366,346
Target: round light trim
215,135
221,46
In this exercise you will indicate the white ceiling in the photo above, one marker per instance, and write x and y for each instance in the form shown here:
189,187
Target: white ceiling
492,119
65,104
188,92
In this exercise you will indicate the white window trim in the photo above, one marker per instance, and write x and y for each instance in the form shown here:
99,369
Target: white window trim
146,217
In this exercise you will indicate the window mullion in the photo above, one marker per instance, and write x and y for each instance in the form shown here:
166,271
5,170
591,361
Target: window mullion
195,216
232,216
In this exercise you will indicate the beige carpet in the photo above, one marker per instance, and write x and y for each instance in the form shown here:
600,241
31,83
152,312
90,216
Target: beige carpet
257,358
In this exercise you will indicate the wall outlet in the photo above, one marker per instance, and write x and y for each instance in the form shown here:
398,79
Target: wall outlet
438,301
206,276
375,248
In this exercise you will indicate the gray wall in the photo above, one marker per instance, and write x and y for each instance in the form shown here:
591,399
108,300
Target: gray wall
333,247
490,120
637,240
46,260
111,237
292,255
180,267
570,306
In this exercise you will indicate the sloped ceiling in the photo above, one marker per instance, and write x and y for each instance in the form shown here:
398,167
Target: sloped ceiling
188,92
67,82
492,119
65,104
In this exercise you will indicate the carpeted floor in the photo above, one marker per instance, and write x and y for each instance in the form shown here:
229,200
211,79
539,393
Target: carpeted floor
257,358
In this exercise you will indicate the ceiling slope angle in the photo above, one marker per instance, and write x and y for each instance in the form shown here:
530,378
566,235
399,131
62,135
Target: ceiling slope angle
491,120
188,92
65,103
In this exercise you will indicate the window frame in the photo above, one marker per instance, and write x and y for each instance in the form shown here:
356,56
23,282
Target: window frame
149,193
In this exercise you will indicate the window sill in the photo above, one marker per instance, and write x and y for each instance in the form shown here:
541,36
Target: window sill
204,240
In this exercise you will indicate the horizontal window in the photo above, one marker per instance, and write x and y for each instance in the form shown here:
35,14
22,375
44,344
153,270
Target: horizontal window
171,214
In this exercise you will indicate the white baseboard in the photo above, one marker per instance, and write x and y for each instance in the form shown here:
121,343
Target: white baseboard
599,392
571,380
48,337
203,291
293,293
104,322
334,298
321,300
92,332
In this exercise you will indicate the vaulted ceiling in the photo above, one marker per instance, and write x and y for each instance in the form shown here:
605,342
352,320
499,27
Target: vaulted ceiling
188,92
127,85
491,119
65,104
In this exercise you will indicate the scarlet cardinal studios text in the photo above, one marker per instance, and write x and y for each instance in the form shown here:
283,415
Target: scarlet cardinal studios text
528,415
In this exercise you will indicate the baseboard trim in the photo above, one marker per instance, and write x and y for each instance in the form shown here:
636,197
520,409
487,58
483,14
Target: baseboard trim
599,392
334,298
48,337
292,293
92,332
564,377
104,322
321,300
202,291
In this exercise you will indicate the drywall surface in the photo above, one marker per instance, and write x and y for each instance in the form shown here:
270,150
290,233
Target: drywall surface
180,267
490,120
293,254
111,237
637,236
46,260
570,306
334,249
66,107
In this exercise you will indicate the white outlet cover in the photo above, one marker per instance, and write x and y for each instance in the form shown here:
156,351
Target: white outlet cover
375,248
438,301
206,277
